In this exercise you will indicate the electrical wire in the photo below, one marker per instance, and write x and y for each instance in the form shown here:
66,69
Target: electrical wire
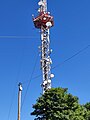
29,82
17,80
66,60
80,51
32,78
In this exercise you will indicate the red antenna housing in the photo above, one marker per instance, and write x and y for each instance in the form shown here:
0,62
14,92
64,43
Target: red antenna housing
44,20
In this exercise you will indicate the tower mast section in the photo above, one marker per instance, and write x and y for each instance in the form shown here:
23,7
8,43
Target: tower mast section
44,21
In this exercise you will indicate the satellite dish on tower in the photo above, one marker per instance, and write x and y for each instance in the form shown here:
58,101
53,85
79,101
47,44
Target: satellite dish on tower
52,75
41,3
48,24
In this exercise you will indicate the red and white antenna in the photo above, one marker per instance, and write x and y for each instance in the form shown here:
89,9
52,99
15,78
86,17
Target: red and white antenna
44,21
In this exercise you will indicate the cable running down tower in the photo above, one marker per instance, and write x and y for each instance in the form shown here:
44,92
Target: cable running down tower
44,21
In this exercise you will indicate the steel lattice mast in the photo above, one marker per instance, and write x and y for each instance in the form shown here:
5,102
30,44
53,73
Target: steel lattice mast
44,21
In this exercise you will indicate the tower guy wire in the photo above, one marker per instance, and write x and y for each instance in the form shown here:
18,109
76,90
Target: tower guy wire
29,81
66,60
74,55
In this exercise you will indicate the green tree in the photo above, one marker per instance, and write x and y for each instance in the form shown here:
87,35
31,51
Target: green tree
57,104
87,107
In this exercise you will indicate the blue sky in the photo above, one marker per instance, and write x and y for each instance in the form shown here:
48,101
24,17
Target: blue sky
70,34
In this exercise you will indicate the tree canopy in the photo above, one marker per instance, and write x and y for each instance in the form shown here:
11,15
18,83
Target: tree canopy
58,104
87,106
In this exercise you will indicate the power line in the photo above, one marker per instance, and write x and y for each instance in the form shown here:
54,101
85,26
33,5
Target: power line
29,82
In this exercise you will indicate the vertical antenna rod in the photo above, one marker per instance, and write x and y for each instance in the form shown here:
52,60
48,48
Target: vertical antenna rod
19,100
44,21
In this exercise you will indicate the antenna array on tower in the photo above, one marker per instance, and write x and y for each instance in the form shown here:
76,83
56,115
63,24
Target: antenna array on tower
44,21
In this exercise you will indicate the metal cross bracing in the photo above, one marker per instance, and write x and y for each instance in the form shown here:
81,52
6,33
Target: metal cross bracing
45,60
44,21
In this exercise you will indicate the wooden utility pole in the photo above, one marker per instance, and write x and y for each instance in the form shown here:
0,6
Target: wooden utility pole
19,100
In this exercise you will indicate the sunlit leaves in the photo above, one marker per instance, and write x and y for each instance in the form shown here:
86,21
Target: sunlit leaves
58,104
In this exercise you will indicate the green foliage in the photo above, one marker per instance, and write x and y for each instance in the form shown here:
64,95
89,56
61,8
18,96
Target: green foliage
57,104
87,107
